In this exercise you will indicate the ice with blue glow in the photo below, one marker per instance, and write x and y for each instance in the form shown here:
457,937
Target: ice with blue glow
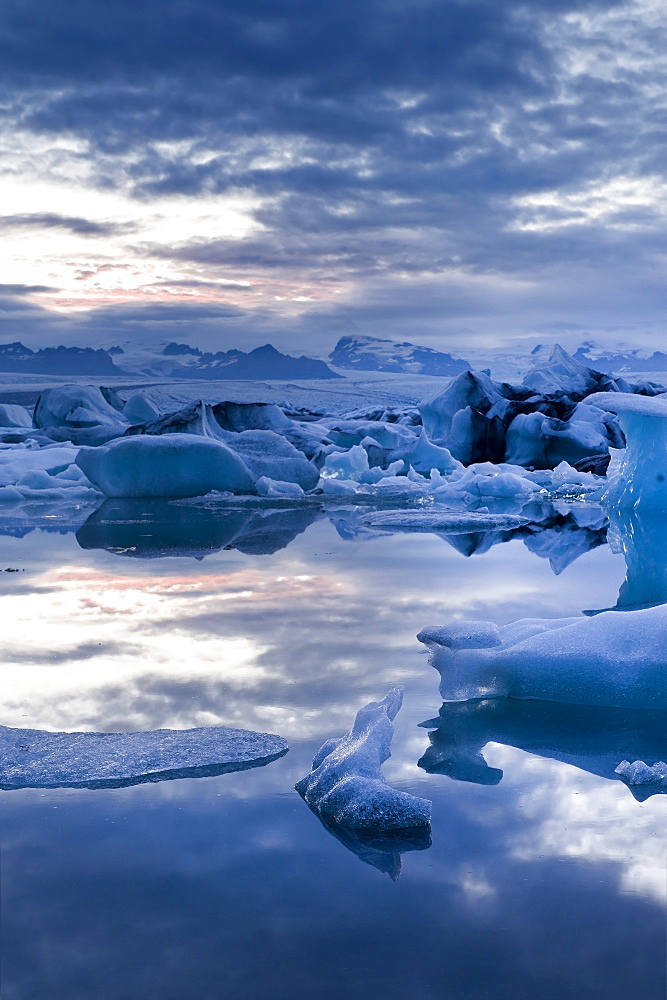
616,658
640,479
346,785
33,758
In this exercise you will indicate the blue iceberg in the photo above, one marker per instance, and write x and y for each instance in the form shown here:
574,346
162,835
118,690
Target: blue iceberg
346,786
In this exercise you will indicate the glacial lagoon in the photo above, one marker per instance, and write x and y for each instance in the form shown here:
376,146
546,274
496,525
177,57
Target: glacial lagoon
544,874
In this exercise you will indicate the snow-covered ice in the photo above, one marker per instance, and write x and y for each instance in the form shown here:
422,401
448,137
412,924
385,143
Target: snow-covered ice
616,658
346,784
33,758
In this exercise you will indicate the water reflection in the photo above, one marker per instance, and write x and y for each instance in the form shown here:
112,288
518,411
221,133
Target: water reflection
591,738
380,850
149,529
558,532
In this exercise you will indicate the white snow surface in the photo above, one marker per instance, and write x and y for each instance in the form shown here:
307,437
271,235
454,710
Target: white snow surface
617,658
346,785
33,758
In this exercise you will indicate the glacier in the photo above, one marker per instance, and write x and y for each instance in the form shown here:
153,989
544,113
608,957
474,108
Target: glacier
34,758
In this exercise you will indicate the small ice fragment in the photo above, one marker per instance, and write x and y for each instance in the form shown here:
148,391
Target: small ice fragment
346,785
639,773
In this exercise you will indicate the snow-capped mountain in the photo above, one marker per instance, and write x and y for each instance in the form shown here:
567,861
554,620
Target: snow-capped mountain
262,363
16,357
621,361
378,355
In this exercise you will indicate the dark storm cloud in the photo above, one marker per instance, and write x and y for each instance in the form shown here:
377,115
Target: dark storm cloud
382,139
51,220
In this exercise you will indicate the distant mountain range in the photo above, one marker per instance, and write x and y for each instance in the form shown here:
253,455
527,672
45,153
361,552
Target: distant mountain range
624,361
373,354
262,363
56,360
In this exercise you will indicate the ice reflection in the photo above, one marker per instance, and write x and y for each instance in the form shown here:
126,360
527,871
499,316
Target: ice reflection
642,538
151,528
591,738
291,641
380,850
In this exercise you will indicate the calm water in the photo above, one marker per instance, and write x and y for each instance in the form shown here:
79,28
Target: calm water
543,880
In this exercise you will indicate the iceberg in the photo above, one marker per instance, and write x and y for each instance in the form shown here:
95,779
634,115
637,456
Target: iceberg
14,415
640,535
81,413
33,758
346,786
616,659
641,479
139,408
173,465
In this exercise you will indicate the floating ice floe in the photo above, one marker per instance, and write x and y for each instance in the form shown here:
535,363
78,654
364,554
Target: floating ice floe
616,658
45,474
33,758
346,786
436,520
639,773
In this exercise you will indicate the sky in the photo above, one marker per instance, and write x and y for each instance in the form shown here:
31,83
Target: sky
463,174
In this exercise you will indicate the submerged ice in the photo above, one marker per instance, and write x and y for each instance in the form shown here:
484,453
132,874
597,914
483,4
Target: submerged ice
32,758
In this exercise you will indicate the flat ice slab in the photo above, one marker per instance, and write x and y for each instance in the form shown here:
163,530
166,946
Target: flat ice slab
33,758
346,785
435,520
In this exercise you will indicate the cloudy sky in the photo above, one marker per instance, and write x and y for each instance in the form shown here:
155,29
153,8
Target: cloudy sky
457,173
